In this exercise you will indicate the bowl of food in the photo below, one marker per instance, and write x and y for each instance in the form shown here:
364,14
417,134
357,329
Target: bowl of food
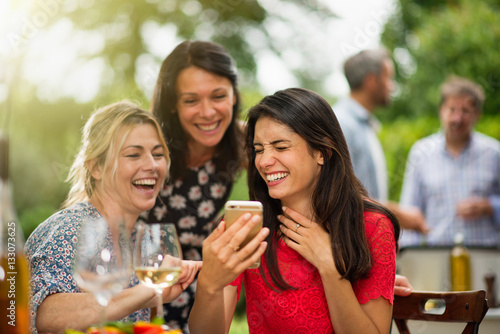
141,327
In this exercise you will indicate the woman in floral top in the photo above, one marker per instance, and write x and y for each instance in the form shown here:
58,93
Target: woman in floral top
197,102
117,175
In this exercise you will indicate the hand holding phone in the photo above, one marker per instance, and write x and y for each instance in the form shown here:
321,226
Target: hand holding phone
234,209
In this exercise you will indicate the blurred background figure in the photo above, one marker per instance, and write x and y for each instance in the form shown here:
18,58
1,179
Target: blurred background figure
453,176
370,74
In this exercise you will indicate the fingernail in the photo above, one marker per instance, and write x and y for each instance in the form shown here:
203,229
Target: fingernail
256,218
279,217
283,208
247,216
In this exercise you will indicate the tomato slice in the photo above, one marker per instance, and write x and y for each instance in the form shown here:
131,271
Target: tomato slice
105,330
147,328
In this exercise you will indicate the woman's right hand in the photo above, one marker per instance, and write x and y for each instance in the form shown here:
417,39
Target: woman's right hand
223,261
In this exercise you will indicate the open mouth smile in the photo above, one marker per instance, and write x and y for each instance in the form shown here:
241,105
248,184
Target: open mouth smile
276,177
208,127
145,184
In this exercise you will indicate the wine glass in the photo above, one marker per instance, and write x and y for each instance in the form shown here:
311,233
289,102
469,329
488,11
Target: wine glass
157,258
103,260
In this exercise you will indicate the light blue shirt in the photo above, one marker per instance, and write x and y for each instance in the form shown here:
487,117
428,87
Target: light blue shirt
436,182
359,128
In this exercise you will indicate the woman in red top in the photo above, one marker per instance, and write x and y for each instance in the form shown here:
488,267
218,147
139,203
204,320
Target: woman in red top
329,255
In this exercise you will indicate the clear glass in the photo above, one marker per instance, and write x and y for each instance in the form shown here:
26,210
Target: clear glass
103,260
157,258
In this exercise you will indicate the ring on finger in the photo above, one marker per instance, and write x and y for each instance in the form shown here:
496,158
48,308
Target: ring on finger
233,247
297,227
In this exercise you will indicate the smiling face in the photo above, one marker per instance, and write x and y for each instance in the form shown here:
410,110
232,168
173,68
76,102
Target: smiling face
285,161
205,106
140,171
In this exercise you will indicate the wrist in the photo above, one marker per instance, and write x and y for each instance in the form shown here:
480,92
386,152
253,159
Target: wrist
149,295
206,285
329,271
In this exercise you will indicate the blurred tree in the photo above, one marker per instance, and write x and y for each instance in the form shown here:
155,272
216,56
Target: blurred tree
434,39
132,37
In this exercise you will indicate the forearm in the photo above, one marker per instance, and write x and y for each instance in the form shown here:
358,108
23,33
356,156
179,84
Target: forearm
207,314
346,314
81,310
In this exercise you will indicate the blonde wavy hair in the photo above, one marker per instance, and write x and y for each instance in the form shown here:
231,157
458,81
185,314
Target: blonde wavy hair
102,138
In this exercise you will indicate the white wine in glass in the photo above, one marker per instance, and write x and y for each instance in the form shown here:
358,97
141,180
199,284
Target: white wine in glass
157,258
103,260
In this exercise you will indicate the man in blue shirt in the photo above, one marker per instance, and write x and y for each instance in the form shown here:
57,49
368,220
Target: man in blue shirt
370,75
453,176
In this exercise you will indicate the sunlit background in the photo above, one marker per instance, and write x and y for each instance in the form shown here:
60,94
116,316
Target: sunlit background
63,60
60,59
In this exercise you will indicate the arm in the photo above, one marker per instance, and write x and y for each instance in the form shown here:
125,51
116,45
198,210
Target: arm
223,262
346,313
81,310
474,208
409,217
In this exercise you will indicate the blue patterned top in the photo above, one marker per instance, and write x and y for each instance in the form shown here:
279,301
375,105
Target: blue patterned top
50,250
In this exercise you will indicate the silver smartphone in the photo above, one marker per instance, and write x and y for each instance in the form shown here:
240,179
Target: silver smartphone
234,209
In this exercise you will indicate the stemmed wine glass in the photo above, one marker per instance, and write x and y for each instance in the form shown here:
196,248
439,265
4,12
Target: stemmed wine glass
157,258
103,260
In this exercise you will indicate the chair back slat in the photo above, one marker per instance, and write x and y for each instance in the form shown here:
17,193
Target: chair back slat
465,307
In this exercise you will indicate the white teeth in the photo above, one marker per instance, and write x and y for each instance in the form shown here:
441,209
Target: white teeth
145,182
276,176
208,127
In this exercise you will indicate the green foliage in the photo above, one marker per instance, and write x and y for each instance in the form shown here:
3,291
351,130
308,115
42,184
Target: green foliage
239,324
445,38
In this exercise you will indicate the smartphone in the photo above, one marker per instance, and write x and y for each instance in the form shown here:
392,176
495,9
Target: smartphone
234,209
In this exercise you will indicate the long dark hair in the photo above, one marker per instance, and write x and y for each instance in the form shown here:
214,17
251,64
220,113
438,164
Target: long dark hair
213,58
339,199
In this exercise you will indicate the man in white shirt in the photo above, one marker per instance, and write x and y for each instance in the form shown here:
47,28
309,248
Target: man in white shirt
370,74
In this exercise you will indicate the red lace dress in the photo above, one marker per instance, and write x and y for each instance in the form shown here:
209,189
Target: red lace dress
305,310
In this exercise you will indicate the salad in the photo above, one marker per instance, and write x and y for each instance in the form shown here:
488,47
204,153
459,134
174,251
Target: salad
141,327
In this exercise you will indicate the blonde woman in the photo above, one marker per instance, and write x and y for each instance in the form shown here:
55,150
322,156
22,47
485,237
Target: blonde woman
122,147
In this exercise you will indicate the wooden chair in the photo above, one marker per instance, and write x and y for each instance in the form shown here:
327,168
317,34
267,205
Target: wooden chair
467,307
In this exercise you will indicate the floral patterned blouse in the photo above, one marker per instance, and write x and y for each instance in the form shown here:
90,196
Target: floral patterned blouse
50,250
193,205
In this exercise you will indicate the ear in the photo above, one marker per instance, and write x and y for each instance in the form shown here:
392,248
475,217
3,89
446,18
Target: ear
94,169
320,159
371,81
